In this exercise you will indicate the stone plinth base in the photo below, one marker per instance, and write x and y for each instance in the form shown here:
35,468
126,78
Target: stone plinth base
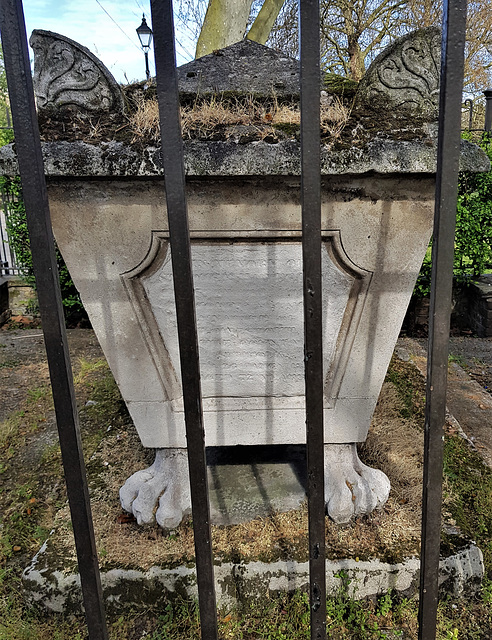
237,583
16,297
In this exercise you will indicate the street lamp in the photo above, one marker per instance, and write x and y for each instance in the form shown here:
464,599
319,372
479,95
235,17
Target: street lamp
144,33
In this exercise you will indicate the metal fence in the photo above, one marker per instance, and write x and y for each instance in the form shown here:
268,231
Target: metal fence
7,256
471,113
8,262
36,200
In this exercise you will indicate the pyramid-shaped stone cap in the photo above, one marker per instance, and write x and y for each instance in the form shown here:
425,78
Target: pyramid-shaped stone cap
242,68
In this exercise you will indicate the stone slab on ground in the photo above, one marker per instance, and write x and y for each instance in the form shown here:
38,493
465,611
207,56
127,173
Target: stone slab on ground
250,482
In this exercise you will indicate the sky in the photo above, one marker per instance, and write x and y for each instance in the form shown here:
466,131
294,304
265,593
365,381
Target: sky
106,28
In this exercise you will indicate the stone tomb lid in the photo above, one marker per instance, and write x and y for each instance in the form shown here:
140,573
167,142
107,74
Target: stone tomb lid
242,68
227,158
365,145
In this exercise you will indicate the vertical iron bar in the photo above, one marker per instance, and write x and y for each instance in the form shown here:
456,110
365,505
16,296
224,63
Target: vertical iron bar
29,156
488,110
469,103
313,346
4,263
452,57
174,176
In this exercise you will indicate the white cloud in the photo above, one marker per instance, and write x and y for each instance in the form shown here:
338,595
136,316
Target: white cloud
87,23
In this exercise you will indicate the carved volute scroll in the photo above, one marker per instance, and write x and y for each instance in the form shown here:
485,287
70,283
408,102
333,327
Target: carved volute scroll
68,74
405,76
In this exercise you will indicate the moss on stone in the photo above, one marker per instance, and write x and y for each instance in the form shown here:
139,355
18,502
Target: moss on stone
339,85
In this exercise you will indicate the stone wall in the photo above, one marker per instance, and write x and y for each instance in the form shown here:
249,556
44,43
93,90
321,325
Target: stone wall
476,311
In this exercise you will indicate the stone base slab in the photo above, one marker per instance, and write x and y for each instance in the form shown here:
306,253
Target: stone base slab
237,583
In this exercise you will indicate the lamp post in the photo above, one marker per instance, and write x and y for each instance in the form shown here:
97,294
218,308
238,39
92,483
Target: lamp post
144,33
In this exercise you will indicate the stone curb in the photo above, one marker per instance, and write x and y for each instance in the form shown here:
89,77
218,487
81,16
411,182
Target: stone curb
128,588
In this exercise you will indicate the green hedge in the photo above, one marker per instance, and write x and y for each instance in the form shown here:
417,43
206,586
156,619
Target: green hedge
473,241
19,240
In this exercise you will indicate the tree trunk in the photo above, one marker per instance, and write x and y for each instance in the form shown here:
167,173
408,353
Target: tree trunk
427,14
356,59
260,30
225,23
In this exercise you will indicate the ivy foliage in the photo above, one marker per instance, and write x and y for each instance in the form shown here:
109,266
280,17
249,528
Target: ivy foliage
473,244
19,240
6,134
473,240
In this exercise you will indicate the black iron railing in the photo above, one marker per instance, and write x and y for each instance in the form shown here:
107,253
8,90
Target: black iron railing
8,263
452,66
31,169
8,260
35,194
470,108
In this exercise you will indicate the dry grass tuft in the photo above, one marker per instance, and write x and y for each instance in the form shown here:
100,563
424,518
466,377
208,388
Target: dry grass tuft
204,118
334,117
145,121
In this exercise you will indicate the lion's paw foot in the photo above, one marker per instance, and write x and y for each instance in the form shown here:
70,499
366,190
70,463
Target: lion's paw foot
160,492
351,487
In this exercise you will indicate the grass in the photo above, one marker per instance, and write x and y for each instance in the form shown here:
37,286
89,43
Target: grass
203,118
27,420
411,389
457,359
32,491
468,494
8,364
467,480
28,510
284,617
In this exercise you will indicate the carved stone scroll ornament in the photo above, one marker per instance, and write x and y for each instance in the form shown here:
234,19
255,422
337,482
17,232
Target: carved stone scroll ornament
405,76
68,74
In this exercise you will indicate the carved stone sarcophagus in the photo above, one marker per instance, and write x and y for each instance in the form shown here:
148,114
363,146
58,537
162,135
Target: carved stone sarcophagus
109,216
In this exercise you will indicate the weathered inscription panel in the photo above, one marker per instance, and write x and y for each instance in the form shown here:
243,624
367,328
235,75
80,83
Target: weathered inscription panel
249,315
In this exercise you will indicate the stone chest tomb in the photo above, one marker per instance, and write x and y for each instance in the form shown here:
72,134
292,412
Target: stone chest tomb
109,217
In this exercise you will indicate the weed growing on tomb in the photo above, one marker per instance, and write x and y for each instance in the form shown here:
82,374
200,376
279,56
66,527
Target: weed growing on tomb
244,119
